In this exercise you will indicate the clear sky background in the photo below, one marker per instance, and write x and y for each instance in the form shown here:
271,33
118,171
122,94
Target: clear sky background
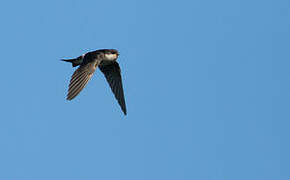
206,85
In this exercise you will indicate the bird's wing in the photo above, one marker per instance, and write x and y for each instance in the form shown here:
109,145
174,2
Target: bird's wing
112,73
80,78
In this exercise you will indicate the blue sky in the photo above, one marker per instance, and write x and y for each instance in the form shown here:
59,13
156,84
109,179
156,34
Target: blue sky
206,85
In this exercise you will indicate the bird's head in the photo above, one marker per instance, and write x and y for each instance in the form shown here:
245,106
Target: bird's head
111,54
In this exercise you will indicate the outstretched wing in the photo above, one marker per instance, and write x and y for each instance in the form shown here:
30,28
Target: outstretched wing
112,73
80,78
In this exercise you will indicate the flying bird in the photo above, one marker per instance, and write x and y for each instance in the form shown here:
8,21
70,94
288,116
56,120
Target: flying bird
105,59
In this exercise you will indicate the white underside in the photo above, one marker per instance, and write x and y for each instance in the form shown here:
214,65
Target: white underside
111,57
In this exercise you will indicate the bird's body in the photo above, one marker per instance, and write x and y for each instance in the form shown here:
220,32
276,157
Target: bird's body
105,59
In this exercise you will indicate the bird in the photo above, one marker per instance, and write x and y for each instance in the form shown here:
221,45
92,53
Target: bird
106,60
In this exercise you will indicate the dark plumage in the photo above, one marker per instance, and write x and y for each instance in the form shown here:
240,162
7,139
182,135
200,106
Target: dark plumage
105,59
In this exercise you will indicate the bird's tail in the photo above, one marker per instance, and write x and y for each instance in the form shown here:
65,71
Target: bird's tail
75,62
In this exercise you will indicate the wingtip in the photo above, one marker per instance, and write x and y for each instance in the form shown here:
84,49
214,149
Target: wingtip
125,112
